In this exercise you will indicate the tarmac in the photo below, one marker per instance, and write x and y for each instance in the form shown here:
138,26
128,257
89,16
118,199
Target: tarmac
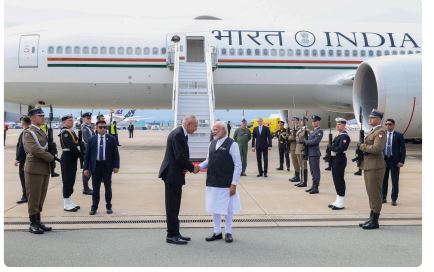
138,194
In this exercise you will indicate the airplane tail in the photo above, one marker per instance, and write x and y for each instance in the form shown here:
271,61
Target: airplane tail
130,113
118,112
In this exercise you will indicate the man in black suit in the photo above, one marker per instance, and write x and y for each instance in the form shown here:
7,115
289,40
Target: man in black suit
175,165
394,155
101,159
262,138
131,130
20,158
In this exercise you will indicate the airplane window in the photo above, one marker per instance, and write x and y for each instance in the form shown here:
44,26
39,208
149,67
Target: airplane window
248,52
68,50
130,50
394,52
338,53
402,52
322,53
232,51
103,50
224,51
257,52
138,51
298,52
51,50
240,51
85,50
418,52
163,50
94,50
314,52
146,51
154,50
77,50
331,53
265,52
410,52
363,53
273,52
290,52
371,53
355,53
347,53
306,52
59,50
282,52
121,50
387,53
112,50
379,53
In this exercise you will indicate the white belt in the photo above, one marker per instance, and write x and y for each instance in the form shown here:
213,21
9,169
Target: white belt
66,149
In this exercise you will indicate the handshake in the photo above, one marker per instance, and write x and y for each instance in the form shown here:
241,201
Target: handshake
196,169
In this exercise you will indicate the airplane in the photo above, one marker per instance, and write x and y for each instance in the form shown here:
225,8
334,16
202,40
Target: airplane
129,118
129,63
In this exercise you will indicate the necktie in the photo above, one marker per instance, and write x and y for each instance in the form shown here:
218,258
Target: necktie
101,149
389,145
260,130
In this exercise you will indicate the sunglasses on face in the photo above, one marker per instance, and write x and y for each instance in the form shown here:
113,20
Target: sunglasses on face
102,127
389,124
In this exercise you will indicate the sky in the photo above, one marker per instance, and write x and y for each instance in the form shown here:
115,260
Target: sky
306,12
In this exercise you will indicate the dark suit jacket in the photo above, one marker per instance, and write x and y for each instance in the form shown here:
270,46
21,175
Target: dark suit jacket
176,159
20,153
111,153
263,140
398,147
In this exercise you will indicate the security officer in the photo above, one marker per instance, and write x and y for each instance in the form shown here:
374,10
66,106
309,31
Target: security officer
70,155
292,143
36,169
283,146
114,132
312,144
339,162
374,167
87,133
242,136
299,151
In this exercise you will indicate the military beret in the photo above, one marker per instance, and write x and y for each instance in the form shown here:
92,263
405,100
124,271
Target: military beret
66,117
316,118
305,118
87,114
35,111
295,118
376,114
341,120
281,122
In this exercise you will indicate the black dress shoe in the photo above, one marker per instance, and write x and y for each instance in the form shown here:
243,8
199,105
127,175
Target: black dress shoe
45,228
176,240
54,175
394,203
384,200
243,174
259,175
309,190
287,169
214,237
279,168
35,229
228,238
314,191
87,192
185,238
92,212
265,175
109,211
330,206
22,200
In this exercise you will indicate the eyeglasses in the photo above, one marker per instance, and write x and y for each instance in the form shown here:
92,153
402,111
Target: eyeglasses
102,127
388,124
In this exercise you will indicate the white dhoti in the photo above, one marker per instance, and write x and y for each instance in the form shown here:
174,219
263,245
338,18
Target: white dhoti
219,202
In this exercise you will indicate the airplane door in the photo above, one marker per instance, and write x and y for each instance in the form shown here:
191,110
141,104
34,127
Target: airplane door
28,52
195,49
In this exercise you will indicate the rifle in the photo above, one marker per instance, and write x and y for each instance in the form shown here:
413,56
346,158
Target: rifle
306,148
51,144
359,153
328,156
80,141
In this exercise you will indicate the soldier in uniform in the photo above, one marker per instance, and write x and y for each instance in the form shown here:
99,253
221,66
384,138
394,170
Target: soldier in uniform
312,143
299,151
69,159
292,143
36,169
339,162
242,137
374,167
87,133
283,146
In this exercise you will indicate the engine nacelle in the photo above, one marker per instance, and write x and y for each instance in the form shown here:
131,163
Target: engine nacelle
393,85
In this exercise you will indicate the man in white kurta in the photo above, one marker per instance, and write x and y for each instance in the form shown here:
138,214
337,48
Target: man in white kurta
224,170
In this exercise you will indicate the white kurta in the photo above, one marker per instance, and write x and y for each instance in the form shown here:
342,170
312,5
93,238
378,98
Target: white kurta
218,200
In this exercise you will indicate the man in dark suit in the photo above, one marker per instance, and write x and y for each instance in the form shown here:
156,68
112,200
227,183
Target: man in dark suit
262,138
394,155
131,130
20,158
101,159
175,165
